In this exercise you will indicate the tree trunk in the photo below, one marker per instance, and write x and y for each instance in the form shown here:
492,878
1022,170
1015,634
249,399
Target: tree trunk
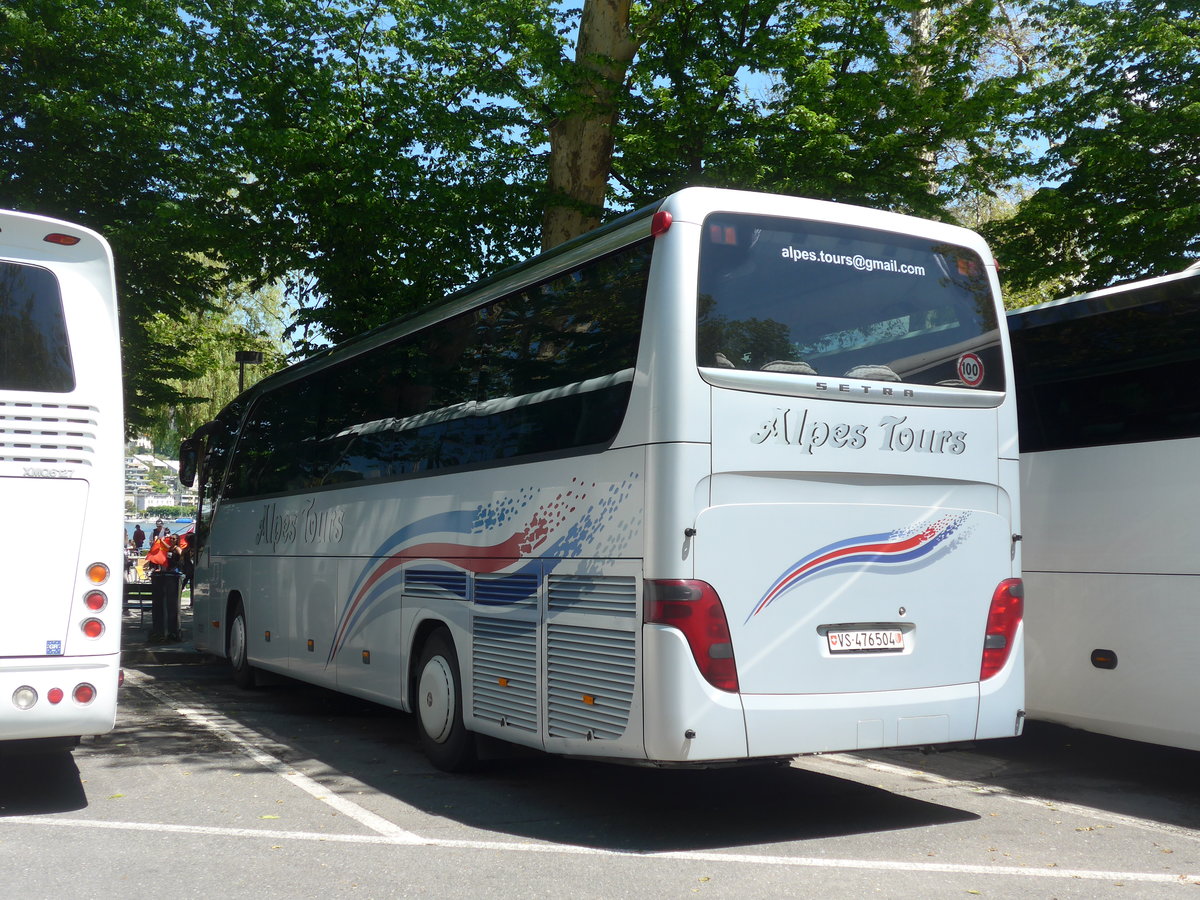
922,41
581,139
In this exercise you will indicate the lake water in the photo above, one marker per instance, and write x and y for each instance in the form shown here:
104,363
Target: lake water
176,527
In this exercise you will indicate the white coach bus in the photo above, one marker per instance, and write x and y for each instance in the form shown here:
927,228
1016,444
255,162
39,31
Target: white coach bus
1109,429
733,477
61,482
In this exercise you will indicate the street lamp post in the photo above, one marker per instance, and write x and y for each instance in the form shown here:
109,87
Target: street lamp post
246,358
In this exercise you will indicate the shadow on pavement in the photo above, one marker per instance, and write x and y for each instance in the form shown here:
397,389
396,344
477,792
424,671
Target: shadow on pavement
533,796
1064,765
43,783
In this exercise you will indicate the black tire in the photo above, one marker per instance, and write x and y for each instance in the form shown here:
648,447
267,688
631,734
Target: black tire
438,706
237,641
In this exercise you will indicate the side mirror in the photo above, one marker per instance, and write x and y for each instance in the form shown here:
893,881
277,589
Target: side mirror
189,455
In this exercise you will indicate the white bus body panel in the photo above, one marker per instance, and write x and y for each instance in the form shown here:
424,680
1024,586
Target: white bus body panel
1094,583
539,586
62,454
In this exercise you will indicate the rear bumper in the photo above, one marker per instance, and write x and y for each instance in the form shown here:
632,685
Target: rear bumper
792,724
66,718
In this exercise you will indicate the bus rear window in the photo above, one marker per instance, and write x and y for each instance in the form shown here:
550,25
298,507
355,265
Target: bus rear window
34,352
821,299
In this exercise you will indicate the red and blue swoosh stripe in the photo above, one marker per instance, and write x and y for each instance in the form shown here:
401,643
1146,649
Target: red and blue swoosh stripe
868,550
396,552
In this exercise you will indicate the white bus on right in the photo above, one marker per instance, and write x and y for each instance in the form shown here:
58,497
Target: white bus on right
1110,438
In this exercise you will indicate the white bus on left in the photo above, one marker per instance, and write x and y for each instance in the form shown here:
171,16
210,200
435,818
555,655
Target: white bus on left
61,432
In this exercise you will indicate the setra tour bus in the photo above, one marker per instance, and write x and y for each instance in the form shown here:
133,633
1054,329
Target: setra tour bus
1108,430
731,478
61,463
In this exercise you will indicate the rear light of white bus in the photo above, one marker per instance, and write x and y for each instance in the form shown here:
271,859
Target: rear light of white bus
92,628
694,608
96,600
26,696
1008,607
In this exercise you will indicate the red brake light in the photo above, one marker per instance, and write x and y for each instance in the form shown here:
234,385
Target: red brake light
84,694
95,601
66,240
93,628
660,223
1008,607
54,695
694,608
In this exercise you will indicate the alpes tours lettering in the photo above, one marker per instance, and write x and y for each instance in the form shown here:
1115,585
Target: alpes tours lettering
893,434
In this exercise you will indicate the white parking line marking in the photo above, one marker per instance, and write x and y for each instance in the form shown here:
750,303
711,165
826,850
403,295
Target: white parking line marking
388,833
227,730
875,865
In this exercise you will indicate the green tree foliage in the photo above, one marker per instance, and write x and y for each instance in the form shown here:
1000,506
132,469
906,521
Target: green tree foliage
835,100
369,158
373,154
99,121
1123,122
235,319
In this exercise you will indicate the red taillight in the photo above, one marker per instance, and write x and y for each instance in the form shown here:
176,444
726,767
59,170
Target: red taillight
660,223
66,240
93,628
96,601
84,694
54,695
1008,606
694,608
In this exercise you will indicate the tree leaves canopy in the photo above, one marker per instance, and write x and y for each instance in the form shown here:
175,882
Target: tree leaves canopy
1123,165
367,158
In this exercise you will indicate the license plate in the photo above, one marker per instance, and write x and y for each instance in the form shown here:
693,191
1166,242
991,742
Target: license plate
882,640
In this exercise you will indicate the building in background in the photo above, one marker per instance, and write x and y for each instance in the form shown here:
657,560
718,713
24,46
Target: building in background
152,481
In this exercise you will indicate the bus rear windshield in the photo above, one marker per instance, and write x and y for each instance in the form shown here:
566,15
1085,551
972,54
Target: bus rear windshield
34,352
822,299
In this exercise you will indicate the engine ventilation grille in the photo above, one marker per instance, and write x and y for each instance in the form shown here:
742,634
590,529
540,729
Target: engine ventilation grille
590,681
504,672
519,591
611,595
47,433
435,583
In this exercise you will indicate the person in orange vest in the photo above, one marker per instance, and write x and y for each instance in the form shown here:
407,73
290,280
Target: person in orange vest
158,559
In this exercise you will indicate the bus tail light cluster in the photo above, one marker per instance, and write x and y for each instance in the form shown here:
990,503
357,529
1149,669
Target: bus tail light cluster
1007,610
26,697
694,608
95,600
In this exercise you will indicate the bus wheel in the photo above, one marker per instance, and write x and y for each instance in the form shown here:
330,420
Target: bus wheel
243,672
444,738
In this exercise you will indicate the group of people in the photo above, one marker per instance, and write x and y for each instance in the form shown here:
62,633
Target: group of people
168,552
